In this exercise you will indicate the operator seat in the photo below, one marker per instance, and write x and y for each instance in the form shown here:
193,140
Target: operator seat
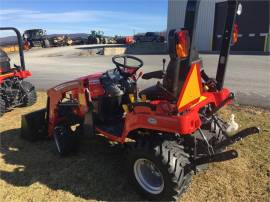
167,90
4,62
173,81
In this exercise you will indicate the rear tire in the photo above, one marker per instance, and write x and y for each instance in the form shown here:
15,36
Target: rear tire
2,106
169,163
30,94
65,140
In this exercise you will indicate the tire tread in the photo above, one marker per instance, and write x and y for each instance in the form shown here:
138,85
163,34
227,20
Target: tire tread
31,96
2,106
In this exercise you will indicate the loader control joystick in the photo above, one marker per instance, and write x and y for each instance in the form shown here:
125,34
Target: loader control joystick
127,65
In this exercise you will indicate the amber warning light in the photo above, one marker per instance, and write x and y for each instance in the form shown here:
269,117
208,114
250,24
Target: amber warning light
183,44
235,34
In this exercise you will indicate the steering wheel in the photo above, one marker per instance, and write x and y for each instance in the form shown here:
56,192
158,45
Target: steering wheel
124,69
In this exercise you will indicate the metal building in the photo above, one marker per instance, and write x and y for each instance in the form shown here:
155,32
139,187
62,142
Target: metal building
253,24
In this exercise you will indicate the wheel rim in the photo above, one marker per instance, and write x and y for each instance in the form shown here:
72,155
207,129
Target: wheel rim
148,176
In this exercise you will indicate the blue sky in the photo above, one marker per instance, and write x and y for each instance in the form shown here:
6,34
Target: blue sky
121,17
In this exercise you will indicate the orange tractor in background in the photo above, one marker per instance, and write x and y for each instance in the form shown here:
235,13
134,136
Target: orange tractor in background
14,90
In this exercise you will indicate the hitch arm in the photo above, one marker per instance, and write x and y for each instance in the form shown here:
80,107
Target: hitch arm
218,157
238,136
226,155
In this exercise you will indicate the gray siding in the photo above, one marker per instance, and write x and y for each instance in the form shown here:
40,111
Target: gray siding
176,15
268,42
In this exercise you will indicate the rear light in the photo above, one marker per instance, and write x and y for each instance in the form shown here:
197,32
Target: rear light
235,34
183,44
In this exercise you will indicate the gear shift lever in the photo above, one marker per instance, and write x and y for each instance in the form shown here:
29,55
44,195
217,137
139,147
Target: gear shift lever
163,62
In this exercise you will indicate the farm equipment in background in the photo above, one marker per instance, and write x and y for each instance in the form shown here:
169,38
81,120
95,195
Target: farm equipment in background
26,45
149,37
63,40
79,41
173,127
14,91
128,40
97,37
36,38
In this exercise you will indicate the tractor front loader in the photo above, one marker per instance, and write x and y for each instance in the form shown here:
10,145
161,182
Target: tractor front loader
174,124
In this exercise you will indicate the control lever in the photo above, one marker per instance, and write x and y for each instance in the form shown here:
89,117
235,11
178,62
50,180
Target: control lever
17,67
139,76
163,62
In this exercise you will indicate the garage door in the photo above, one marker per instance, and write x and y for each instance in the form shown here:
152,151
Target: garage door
253,26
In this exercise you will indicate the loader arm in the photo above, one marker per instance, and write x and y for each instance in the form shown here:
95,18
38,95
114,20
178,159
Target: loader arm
40,124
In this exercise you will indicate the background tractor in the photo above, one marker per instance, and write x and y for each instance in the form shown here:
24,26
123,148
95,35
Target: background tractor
63,40
14,90
36,38
170,130
97,37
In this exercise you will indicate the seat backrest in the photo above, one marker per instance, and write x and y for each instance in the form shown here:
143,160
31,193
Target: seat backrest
187,91
4,62
170,81
4,68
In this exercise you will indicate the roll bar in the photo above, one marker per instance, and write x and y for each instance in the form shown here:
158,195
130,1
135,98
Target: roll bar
226,42
20,43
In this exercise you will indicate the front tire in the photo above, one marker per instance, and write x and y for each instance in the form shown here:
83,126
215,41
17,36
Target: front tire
159,169
29,94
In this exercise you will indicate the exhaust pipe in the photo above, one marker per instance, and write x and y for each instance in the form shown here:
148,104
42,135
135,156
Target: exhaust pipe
34,125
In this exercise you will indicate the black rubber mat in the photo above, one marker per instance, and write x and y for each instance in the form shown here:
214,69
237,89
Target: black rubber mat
115,129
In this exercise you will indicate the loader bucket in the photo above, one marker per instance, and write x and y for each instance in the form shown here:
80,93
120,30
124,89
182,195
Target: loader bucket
34,125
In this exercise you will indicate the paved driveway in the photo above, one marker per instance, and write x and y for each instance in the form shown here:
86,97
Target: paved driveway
248,76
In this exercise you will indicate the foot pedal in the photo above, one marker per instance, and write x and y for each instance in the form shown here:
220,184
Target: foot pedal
88,125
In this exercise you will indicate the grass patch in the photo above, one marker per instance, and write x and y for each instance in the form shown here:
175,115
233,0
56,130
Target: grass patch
35,172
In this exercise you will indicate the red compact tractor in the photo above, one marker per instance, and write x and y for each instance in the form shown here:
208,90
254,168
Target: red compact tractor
14,91
170,129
